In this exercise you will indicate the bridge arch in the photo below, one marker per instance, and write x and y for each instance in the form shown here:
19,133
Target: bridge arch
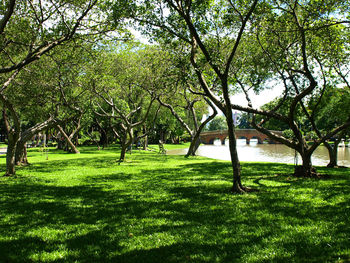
213,139
248,134
260,141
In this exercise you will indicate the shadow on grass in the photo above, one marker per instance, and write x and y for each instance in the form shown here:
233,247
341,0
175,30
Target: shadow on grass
183,213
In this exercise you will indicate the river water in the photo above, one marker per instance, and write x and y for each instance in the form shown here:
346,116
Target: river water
277,153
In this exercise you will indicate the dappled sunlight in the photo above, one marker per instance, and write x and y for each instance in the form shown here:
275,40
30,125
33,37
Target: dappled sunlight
159,208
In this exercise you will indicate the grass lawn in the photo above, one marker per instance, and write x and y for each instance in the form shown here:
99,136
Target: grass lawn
161,208
155,147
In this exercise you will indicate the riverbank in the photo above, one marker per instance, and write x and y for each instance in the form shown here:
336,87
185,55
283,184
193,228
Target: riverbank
161,208
273,153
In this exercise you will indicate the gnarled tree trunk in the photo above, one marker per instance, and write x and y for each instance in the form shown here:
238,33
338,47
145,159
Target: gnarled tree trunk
333,154
13,134
125,143
21,153
13,138
306,169
195,142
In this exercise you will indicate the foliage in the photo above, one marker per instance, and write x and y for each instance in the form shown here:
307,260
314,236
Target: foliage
334,109
244,121
276,124
218,123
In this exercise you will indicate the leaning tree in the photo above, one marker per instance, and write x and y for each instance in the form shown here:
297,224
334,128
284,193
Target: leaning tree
179,95
292,37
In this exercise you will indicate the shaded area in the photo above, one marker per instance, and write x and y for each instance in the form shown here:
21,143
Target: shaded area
170,209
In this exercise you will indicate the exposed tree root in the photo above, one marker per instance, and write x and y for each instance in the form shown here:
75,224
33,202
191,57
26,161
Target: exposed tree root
336,166
300,172
23,163
239,189
120,161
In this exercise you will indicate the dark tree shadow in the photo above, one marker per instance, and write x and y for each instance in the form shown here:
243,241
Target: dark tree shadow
178,214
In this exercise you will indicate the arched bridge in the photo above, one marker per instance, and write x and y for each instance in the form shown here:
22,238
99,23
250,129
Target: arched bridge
210,136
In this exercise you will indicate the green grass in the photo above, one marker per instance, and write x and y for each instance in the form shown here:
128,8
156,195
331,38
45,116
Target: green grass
155,147
161,208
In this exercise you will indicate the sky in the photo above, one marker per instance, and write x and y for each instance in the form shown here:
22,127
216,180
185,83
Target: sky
258,100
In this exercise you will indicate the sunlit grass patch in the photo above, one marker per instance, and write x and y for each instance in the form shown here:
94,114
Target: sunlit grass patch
160,208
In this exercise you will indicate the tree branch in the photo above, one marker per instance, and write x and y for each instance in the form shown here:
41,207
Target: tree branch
5,19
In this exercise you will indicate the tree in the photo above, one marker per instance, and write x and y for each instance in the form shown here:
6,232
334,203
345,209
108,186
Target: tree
292,39
29,30
334,112
124,82
164,128
197,128
178,95
50,87
244,121
198,23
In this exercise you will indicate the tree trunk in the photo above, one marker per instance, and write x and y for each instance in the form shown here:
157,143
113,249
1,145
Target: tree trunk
122,153
237,184
13,138
145,138
145,143
195,142
333,154
190,151
306,169
193,147
125,143
124,148
21,153
70,143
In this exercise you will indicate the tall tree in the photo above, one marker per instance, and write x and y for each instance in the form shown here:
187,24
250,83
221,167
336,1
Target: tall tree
213,31
189,107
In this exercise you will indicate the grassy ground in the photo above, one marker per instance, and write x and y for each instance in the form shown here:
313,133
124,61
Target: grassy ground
155,147
160,208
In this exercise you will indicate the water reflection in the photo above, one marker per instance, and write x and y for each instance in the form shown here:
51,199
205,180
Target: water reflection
255,152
